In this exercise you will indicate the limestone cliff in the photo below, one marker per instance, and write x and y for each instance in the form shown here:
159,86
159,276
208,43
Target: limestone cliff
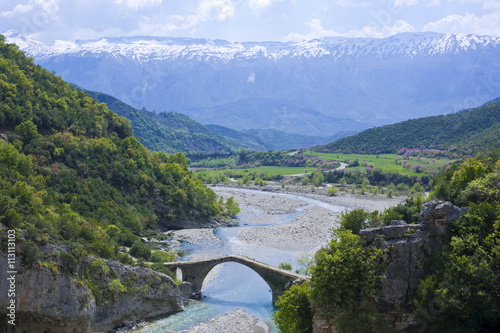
408,247
90,295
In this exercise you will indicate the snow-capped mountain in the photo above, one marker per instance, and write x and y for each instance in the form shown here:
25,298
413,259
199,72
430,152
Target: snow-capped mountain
316,87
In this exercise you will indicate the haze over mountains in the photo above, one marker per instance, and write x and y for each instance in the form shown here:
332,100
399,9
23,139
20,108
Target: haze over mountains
314,88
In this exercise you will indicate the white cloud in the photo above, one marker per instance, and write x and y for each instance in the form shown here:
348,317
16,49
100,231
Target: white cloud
352,3
386,31
487,4
139,3
259,5
47,7
18,10
400,3
207,10
488,24
318,31
215,9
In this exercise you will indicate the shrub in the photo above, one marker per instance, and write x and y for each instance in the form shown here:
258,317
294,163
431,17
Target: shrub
332,191
294,313
285,265
139,250
354,220
161,256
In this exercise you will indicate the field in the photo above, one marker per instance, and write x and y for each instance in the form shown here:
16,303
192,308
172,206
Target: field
405,165
269,171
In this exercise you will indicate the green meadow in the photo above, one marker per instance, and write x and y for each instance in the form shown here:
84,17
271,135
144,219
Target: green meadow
269,171
389,162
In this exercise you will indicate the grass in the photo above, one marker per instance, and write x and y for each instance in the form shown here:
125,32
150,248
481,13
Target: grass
270,171
389,162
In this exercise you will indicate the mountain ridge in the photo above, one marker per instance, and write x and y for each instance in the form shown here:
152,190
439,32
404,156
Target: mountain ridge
428,43
466,132
330,84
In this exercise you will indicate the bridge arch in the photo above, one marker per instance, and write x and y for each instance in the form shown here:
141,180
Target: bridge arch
196,271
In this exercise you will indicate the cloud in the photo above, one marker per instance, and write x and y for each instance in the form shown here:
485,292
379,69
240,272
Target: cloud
207,10
318,31
136,4
259,5
215,9
488,24
47,7
18,10
352,3
400,3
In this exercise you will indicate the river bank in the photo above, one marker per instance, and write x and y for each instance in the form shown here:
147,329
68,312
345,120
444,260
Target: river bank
235,321
298,226
310,229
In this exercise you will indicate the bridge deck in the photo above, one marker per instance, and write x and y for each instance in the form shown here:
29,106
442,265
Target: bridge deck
239,258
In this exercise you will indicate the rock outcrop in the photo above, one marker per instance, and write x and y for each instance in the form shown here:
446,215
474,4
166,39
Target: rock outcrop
408,247
91,295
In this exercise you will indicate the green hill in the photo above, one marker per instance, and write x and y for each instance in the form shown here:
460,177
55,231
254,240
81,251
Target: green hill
72,173
169,131
465,132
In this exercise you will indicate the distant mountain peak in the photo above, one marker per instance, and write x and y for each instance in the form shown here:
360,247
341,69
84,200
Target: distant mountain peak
142,48
323,86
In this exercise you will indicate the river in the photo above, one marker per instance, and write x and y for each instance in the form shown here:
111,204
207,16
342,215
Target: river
230,285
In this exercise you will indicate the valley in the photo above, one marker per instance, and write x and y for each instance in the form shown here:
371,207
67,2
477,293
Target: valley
297,154
269,227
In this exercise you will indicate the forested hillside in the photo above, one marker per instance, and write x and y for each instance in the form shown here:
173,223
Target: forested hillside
169,131
465,132
72,173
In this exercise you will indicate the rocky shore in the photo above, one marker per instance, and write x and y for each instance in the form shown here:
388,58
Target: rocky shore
235,321
308,230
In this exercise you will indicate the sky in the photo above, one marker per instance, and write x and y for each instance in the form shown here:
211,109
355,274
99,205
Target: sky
246,20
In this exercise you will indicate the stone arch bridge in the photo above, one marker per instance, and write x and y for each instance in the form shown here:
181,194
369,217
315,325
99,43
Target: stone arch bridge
278,279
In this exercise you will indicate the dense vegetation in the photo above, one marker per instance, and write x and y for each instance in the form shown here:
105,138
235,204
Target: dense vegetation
461,292
71,172
169,131
462,133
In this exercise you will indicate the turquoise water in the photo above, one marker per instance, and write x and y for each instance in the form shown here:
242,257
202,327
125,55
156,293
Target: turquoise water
231,285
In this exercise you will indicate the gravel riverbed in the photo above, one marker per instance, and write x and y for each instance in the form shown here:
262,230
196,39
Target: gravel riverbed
236,321
307,232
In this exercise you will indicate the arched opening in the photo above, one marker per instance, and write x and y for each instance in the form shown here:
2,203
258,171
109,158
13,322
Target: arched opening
234,284
178,274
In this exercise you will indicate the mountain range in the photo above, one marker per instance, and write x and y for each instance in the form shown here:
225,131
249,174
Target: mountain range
173,132
320,87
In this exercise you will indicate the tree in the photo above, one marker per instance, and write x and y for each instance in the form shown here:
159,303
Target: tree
354,220
27,130
486,189
465,281
318,178
468,171
294,314
345,272
140,250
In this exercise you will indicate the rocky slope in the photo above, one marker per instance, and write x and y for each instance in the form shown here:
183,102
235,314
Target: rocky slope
91,295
